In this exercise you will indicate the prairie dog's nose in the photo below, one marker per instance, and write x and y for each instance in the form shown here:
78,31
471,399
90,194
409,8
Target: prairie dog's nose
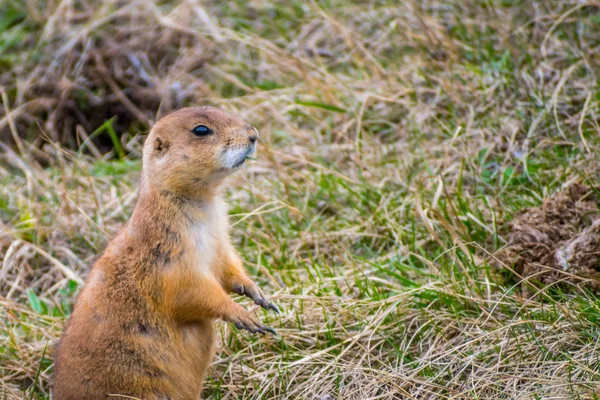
252,134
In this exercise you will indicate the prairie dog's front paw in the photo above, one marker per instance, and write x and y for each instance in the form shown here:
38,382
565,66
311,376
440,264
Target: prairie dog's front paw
251,290
242,319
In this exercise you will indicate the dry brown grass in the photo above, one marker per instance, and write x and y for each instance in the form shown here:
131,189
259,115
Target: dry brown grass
396,140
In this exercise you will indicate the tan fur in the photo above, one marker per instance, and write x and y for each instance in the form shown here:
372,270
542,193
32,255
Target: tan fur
143,323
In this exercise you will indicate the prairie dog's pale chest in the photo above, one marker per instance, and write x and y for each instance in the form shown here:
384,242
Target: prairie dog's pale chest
207,232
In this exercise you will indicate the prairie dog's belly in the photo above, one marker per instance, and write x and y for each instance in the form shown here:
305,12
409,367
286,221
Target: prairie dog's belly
100,355
195,351
198,338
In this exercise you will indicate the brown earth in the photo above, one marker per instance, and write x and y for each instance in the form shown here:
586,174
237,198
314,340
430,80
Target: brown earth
557,241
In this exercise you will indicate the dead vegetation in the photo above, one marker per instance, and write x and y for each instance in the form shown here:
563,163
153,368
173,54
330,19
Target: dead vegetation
75,80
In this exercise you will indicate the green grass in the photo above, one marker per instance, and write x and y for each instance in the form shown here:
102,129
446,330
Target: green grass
397,140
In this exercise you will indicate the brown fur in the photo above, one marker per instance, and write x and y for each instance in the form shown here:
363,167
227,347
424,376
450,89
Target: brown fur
143,323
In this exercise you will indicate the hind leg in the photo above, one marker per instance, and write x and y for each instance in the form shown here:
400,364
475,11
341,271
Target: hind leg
207,353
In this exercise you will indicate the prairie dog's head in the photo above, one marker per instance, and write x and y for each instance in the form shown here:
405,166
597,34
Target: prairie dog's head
193,149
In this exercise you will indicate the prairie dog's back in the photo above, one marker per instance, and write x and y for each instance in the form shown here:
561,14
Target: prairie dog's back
105,337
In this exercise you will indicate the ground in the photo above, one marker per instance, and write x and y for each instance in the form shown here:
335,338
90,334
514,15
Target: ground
399,139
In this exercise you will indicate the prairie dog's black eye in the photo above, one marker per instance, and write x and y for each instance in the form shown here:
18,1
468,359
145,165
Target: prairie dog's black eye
202,130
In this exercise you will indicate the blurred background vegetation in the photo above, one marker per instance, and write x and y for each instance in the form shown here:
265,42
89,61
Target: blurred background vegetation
398,139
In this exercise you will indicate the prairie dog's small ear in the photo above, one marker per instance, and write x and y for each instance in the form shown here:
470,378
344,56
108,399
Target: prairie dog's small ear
161,146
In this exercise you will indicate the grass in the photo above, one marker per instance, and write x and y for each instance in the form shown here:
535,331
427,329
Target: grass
397,139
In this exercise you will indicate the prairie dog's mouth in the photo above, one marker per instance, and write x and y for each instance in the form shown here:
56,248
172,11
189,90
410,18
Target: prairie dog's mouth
251,150
234,158
239,163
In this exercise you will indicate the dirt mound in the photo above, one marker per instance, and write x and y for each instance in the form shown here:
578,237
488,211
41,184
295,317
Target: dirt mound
560,240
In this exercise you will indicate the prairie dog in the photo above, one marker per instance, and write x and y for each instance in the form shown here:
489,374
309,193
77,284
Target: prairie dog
142,325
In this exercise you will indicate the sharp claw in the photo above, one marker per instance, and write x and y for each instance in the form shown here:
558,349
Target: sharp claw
269,329
258,328
273,307
257,299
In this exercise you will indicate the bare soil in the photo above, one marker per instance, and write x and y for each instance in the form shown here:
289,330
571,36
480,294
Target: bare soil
557,241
